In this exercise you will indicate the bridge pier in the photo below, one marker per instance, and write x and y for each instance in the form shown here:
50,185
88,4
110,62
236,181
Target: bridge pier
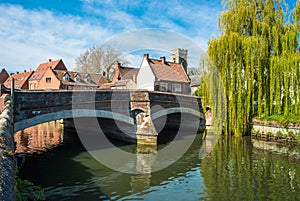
140,108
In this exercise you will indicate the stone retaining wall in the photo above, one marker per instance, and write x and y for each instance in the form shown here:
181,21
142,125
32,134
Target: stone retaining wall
275,132
7,162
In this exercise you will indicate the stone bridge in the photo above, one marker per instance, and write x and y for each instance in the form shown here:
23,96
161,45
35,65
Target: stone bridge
147,112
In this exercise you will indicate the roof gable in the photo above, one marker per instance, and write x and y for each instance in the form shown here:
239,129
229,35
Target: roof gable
168,71
20,79
3,76
41,69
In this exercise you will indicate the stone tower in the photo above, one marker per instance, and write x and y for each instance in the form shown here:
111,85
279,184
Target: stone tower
180,56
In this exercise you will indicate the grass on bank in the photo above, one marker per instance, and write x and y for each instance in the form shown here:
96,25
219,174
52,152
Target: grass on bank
284,120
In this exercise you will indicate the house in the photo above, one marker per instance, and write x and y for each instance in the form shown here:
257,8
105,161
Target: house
76,81
39,78
21,80
3,76
124,84
162,75
54,75
125,73
195,83
124,78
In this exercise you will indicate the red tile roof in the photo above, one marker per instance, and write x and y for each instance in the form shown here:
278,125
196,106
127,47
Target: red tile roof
20,79
168,71
41,69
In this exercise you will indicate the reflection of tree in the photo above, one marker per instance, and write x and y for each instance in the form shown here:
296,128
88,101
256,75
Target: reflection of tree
234,172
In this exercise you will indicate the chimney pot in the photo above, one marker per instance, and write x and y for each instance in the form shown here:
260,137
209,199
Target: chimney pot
163,60
17,72
24,71
50,60
11,73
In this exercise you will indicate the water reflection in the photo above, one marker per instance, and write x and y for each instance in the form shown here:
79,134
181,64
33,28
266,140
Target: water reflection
234,170
237,171
40,138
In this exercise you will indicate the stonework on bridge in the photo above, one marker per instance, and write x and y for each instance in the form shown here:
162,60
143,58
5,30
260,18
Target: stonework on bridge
138,108
7,160
145,132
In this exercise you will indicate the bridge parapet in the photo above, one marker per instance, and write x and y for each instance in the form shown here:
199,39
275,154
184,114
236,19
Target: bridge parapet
132,107
7,162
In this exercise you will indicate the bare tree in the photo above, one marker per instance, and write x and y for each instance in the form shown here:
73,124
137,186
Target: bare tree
99,59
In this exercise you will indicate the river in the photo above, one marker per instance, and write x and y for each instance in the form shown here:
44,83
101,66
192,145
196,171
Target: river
227,169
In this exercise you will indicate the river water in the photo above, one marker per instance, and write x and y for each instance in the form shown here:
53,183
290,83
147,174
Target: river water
223,168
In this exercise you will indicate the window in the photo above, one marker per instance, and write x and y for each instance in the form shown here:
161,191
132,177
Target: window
77,78
48,79
176,88
163,86
67,77
88,79
30,86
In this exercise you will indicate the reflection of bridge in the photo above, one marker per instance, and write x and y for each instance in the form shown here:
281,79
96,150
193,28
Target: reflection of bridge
141,108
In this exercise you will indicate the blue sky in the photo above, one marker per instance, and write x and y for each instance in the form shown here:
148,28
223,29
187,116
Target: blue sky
32,31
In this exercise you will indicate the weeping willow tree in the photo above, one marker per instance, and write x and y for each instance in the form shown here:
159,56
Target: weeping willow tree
257,62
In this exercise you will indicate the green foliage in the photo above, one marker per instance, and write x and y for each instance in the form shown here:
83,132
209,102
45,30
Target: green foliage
256,60
28,191
279,134
282,119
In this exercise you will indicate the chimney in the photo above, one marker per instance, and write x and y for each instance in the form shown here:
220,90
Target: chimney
11,73
163,60
50,60
116,73
146,56
24,71
17,72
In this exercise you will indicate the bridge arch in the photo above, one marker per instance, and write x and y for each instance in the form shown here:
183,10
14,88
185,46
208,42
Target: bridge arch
66,114
176,110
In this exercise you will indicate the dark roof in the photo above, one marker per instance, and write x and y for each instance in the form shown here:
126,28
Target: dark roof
128,72
168,71
3,76
61,73
195,80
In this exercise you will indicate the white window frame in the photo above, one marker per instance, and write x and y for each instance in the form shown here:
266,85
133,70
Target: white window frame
67,77
77,78
177,88
163,86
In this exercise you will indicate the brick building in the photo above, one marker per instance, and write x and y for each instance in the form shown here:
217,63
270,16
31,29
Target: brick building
45,70
21,80
54,75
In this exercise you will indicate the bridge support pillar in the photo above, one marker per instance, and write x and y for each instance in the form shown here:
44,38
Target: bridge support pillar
140,106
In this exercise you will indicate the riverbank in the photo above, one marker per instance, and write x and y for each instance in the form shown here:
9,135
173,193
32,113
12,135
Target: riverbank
277,131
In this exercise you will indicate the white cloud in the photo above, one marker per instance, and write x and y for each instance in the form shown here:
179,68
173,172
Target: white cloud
30,37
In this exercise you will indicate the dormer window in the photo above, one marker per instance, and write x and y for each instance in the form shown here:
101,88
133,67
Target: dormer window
66,77
88,79
77,78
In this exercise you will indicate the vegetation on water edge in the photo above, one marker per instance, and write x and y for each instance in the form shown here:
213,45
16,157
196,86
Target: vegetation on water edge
27,191
253,66
284,120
